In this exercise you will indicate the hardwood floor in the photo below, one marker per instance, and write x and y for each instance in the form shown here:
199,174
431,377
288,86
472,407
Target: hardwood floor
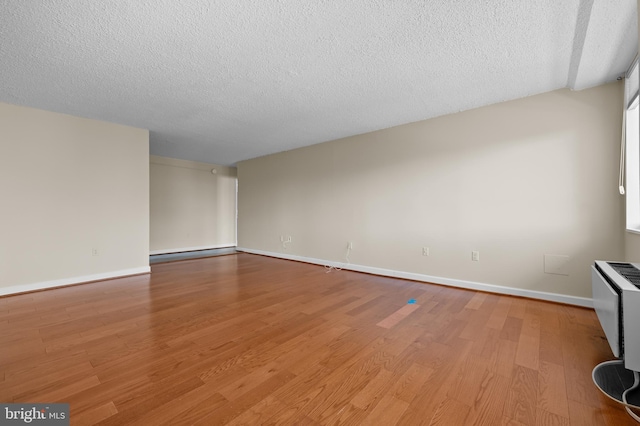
245,339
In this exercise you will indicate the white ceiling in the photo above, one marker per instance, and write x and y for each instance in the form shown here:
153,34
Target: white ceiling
227,80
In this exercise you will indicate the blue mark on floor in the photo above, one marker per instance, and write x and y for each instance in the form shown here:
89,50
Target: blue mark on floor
412,301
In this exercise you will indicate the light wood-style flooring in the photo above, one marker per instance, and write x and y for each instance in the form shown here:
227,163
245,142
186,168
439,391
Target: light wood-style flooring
246,339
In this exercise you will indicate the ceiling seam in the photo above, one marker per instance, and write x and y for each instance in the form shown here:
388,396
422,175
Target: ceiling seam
579,37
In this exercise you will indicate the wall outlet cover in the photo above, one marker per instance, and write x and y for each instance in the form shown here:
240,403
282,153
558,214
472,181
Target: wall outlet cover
556,264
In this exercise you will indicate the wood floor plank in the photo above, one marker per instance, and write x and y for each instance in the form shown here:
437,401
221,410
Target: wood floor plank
511,329
528,352
25,384
371,394
551,347
475,325
544,418
260,413
552,396
341,386
499,314
348,415
434,391
231,410
579,364
94,415
518,308
30,369
294,392
582,414
249,381
506,421
59,390
177,410
521,403
450,412
397,316
110,391
246,339
133,407
487,408
387,412
315,352
194,412
471,377
408,385
501,356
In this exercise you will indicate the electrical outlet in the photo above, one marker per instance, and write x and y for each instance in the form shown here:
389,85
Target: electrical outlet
94,252
350,246
425,251
475,256
289,239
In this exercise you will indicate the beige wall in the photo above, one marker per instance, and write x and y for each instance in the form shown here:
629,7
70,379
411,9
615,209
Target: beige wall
191,208
632,247
70,186
515,181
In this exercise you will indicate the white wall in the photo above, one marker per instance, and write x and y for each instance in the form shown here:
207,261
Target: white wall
70,185
632,241
191,208
515,181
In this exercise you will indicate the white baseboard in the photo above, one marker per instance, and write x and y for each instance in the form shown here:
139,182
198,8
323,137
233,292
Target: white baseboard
183,249
23,288
470,285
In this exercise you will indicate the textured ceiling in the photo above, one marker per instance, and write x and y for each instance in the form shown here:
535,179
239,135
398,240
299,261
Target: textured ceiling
227,80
